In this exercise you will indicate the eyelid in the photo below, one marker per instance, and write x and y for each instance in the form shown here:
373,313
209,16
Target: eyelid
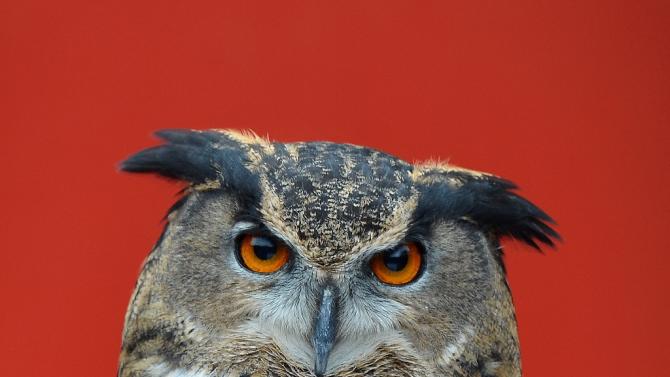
368,253
259,229
241,227
256,229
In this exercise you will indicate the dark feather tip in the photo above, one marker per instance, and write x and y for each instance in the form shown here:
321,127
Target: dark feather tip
493,204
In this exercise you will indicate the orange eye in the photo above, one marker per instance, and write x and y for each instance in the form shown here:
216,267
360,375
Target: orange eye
399,265
262,254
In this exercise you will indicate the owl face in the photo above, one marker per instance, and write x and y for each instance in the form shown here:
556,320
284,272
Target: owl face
315,259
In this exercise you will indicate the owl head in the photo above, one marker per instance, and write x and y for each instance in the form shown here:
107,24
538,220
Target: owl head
324,259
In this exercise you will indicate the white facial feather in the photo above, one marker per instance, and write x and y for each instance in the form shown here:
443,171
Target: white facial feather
286,314
453,350
348,352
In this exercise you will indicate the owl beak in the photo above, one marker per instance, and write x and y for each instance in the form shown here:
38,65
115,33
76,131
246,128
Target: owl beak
325,329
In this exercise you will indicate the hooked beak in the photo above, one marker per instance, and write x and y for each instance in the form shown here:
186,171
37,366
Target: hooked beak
325,329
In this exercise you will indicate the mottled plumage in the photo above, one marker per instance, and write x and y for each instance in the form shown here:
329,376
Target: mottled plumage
197,311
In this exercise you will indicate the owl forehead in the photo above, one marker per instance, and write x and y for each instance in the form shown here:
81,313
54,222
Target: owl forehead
334,197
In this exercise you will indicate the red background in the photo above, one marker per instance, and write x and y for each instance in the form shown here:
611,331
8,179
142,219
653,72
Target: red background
568,98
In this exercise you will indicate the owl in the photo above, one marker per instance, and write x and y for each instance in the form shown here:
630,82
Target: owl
324,259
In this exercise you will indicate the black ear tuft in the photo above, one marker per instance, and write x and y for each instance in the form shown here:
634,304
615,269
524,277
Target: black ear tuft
196,157
493,204
186,162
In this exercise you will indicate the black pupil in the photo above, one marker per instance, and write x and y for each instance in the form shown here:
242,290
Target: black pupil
264,247
396,259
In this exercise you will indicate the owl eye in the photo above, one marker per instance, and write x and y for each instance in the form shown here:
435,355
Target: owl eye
399,265
262,254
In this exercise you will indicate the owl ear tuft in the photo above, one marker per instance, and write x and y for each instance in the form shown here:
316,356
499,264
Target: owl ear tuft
492,204
212,158
185,157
